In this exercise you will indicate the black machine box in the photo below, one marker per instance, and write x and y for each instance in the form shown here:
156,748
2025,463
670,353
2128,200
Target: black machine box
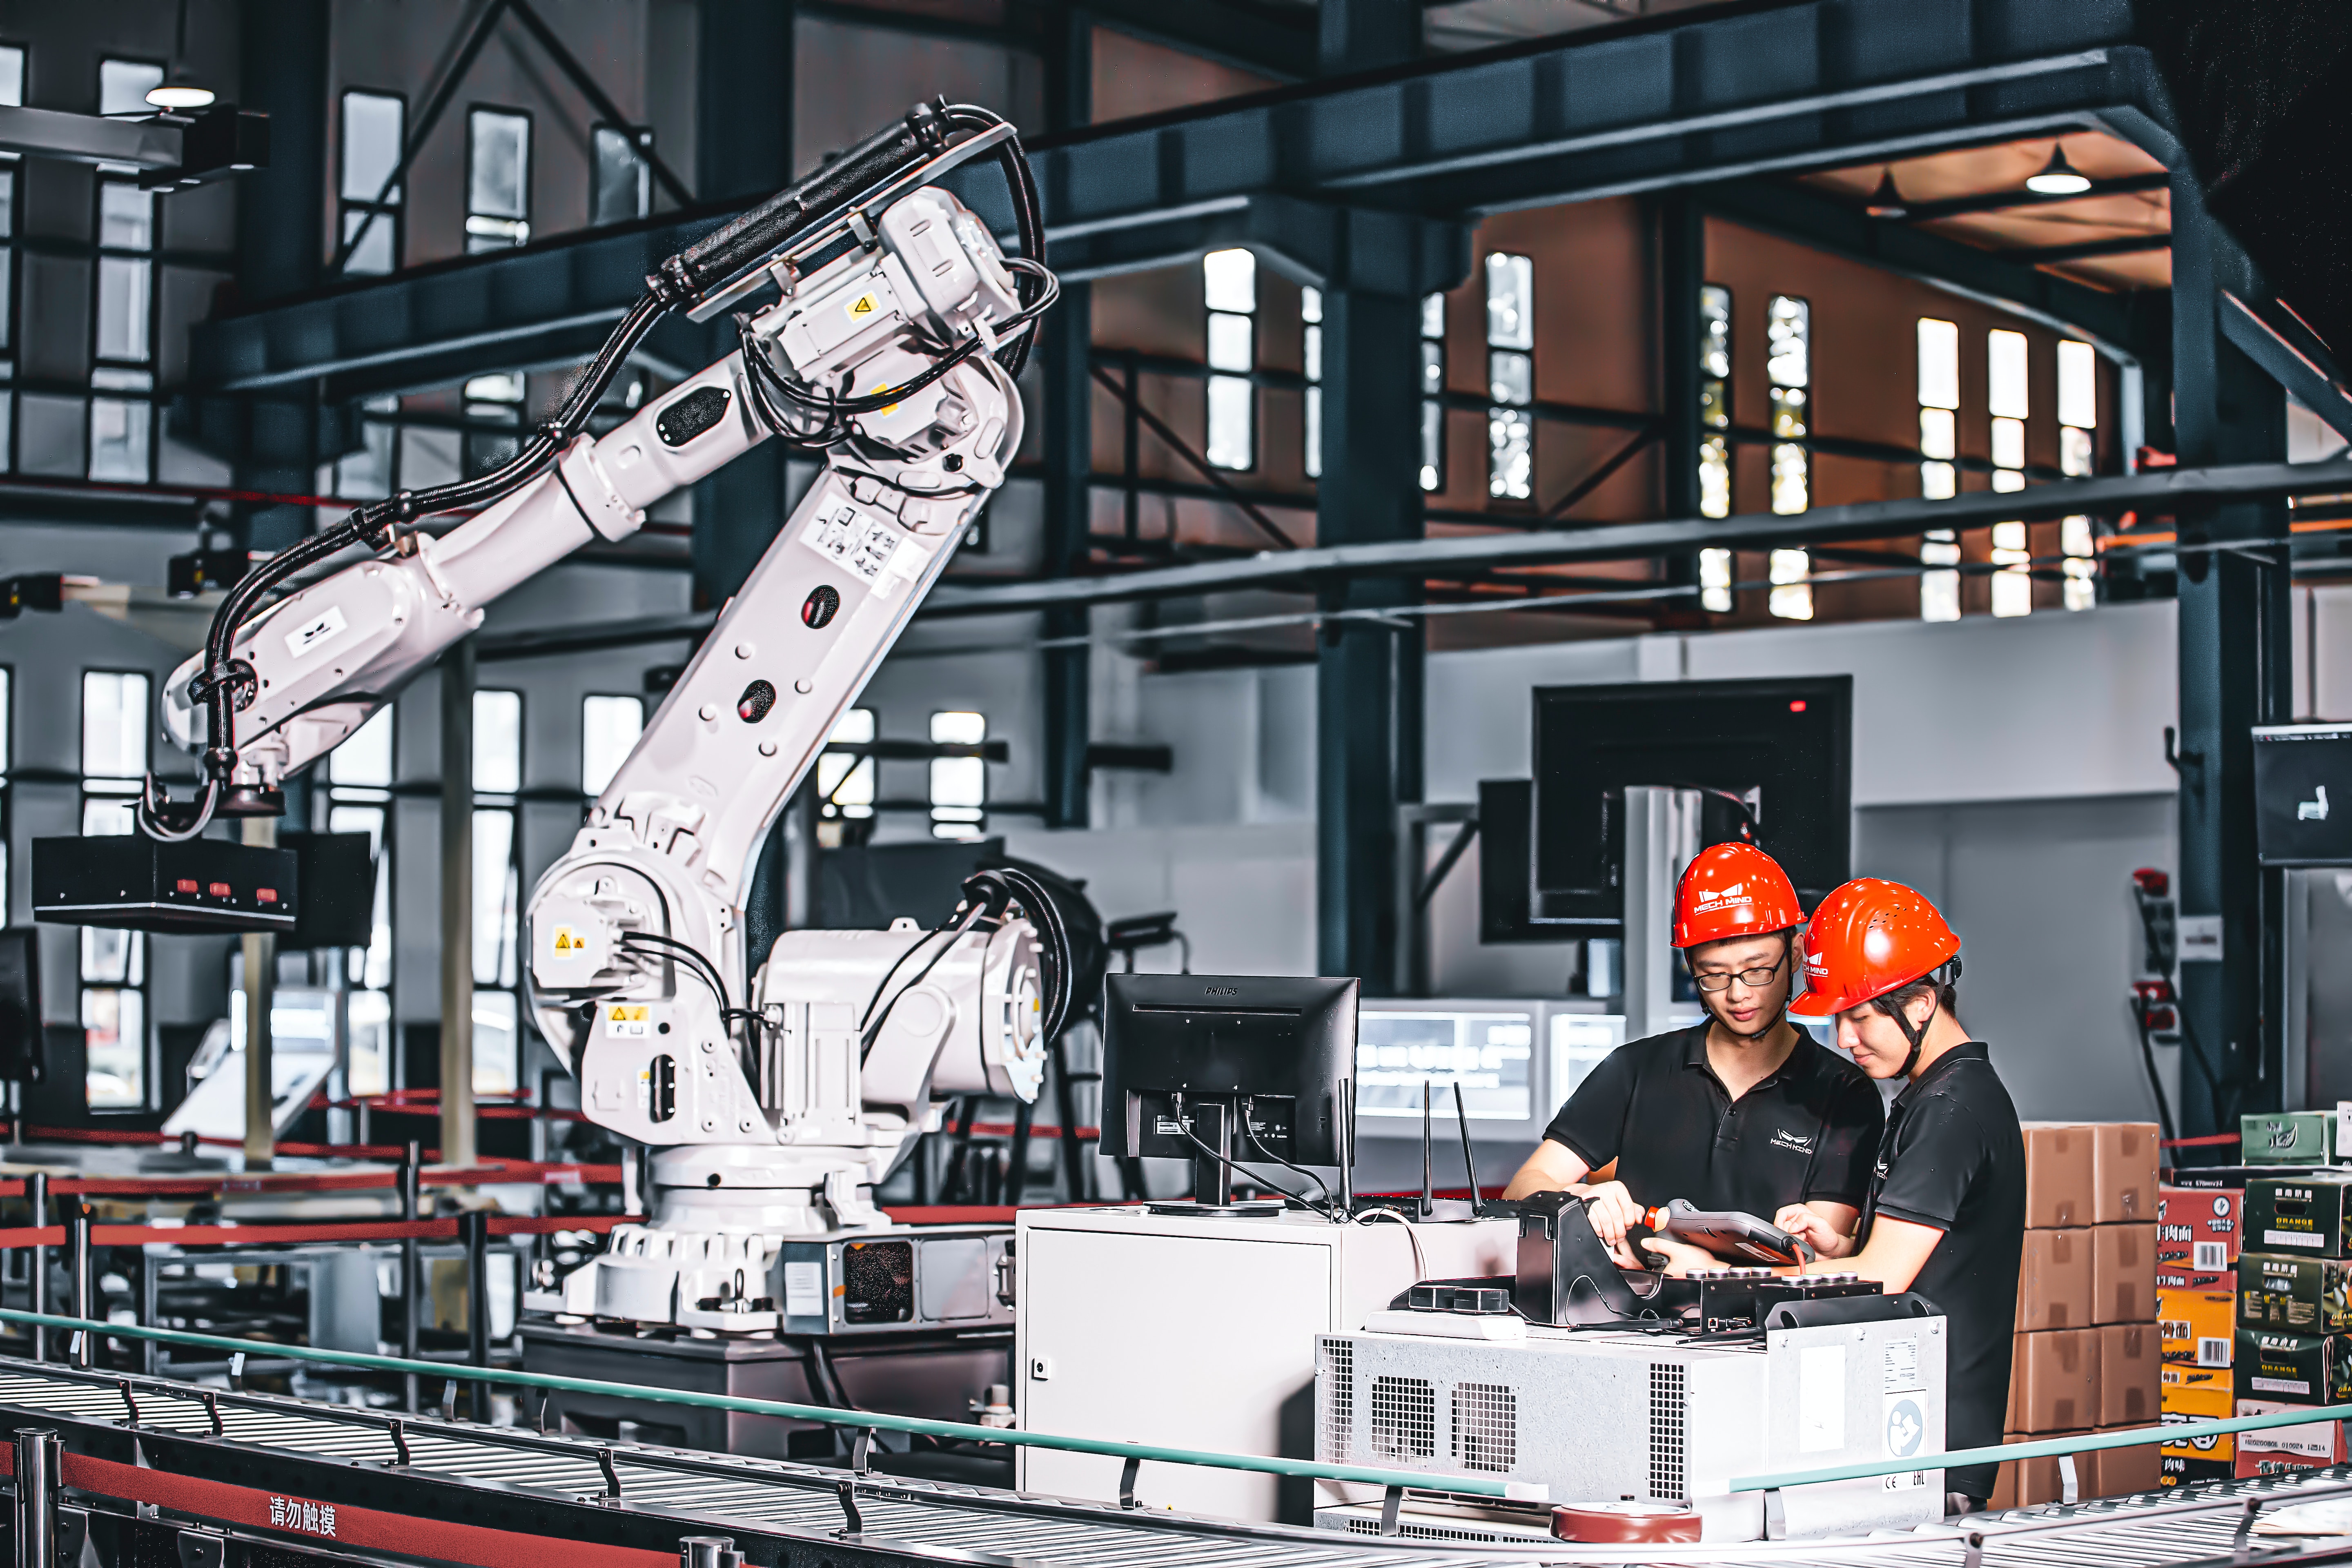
138,883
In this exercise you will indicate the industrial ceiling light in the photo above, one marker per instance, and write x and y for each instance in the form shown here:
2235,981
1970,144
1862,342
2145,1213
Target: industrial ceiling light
2058,178
180,95
1887,201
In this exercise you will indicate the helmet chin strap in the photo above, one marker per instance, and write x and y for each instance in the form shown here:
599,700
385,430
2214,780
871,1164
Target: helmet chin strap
1915,1032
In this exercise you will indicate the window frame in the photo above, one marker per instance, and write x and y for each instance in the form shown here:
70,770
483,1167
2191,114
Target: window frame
139,965
474,111
99,363
628,133
396,209
11,347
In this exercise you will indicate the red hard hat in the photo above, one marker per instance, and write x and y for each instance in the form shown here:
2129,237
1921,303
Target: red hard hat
1866,939
1733,889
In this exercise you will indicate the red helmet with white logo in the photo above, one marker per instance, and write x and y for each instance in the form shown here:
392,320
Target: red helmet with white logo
1866,939
1733,889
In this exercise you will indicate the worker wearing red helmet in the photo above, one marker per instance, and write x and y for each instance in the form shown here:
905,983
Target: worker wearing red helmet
1743,1111
1945,1212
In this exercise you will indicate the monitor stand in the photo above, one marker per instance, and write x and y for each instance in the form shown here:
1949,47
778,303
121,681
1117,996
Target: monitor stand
1213,1176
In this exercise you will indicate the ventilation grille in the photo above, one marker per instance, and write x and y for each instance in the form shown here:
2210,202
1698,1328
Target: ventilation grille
1425,1531
1336,1380
1485,1426
1404,1418
1666,1440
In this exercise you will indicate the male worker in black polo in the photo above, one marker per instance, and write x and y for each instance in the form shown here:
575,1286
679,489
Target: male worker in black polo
1742,1112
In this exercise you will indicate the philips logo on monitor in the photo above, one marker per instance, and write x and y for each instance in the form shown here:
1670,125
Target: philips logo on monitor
1222,991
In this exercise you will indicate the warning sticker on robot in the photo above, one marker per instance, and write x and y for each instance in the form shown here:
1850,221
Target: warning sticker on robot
316,633
862,544
628,1020
568,943
864,305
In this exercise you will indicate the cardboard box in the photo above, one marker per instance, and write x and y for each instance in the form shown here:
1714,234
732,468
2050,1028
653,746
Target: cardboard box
2199,1327
2054,1382
2198,1388
2030,1483
2298,1295
2057,1175
2123,1173
2294,1369
2121,1472
2191,1394
2180,1472
2309,1217
2055,1281
2309,1443
2196,1234
2123,1273
2130,1393
2288,1138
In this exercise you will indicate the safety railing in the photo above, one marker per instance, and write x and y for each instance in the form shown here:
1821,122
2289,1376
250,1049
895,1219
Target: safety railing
1133,1454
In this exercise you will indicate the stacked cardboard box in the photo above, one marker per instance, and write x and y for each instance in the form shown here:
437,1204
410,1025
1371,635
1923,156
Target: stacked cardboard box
2294,1341
2199,1229
2087,1350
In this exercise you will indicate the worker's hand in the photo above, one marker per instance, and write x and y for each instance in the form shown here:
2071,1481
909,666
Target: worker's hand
1611,1210
1814,1231
1679,1259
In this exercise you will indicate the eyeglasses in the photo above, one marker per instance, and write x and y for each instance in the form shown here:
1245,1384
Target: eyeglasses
1754,979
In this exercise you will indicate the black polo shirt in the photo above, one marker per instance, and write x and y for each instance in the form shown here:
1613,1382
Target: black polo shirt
1953,1158
1808,1130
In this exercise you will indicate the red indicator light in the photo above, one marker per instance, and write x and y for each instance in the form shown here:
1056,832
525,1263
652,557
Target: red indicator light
264,895
185,884
218,889
1796,705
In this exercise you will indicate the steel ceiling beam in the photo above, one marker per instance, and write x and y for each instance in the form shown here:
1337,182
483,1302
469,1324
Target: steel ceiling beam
2158,491
1729,92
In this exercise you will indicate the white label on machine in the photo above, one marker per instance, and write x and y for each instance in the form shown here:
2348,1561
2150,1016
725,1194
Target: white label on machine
803,1289
1903,1367
316,633
1905,1430
1821,1399
862,544
627,1021
2200,939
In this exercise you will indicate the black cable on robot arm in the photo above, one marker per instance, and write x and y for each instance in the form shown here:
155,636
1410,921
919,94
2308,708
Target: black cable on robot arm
873,1031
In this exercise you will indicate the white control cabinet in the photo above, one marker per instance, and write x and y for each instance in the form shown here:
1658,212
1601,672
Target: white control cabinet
1201,1334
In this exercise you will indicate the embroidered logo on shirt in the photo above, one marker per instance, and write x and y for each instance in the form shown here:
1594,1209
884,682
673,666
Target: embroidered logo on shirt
1784,1139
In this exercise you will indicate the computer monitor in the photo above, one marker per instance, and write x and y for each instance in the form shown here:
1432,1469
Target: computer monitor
23,1055
1778,752
2296,823
1250,1066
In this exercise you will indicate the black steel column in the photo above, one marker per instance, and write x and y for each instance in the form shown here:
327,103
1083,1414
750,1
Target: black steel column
1067,357
2234,650
1364,34
742,147
1368,684
281,229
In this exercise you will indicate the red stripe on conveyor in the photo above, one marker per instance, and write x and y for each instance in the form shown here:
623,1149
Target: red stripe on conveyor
357,1529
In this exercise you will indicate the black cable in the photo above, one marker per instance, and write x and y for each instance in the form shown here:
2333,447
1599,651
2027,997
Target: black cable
1325,1206
2147,1060
882,984
1256,1178
873,1031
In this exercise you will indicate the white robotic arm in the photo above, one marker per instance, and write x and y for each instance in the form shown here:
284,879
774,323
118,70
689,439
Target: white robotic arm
776,1103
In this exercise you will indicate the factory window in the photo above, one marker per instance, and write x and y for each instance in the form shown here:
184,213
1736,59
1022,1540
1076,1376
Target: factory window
845,779
959,785
623,187
1788,366
609,728
1511,377
358,794
1433,392
1714,413
2006,401
1939,403
114,964
122,374
497,890
1310,312
2078,416
498,178
1792,589
494,421
1230,287
12,93
369,473
1715,588
374,126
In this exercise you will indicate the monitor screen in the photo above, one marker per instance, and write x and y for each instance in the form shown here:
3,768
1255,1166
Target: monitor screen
2303,795
1491,1055
1778,750
1268,1053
